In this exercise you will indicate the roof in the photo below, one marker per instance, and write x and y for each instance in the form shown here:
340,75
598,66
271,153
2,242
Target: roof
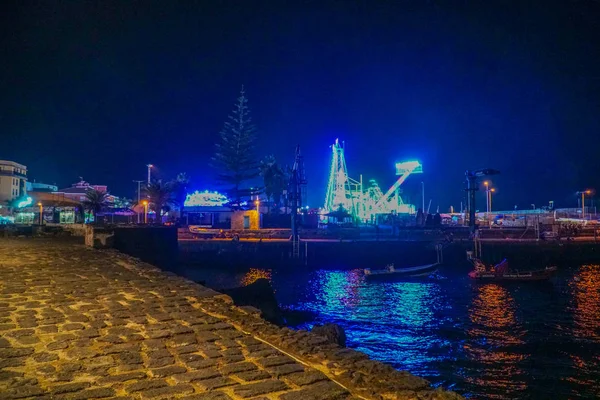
12,164
206,209
82,190
52,199
82,187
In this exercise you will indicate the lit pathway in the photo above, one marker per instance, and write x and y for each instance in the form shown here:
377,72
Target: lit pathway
77,323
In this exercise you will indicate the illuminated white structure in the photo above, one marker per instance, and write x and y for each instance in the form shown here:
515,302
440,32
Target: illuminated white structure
205,199
364,205
342,191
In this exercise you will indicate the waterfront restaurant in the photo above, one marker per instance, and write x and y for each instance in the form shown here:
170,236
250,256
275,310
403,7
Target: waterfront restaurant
207,209
55,207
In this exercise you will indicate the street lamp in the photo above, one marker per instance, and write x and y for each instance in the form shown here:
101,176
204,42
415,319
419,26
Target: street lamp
145,203
138,192
583,193
492,190
41,211
487,196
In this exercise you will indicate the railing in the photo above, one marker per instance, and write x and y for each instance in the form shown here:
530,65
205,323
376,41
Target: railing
12,173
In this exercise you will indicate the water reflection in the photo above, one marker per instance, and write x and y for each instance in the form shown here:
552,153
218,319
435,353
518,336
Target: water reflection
495,334
338,291
585,287
393,321
255,274
518,341
585,309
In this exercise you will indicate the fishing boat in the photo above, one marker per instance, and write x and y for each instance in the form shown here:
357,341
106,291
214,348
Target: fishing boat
391,271
501,272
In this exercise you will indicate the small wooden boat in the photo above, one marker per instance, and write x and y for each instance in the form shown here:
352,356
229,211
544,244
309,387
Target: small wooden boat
501,272
408,272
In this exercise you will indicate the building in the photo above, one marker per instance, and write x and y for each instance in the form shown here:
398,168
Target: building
208,216
78,190
40,187
54,208
13,180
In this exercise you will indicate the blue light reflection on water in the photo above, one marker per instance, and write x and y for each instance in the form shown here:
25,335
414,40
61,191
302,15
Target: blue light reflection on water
483,340
389,319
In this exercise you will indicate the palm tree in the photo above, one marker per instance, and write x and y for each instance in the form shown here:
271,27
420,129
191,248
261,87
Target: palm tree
180,187
273,179
95,201
160,196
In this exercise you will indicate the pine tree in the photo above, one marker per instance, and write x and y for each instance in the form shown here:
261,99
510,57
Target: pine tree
234,157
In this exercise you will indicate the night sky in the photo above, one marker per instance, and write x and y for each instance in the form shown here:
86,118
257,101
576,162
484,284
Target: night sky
100,89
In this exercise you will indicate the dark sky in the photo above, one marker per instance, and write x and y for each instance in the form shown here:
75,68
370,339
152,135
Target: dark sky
99,89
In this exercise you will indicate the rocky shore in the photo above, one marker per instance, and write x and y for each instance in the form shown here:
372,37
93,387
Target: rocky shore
78,323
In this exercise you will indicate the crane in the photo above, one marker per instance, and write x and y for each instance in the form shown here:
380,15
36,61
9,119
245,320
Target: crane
472,177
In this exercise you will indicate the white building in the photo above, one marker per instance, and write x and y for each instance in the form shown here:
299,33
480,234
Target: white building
13,180
40,187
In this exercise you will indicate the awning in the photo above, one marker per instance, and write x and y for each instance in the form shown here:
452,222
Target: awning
49,199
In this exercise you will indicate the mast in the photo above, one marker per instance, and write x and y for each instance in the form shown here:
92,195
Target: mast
297,196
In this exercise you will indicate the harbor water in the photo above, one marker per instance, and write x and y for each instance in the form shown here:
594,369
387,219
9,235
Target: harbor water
485,341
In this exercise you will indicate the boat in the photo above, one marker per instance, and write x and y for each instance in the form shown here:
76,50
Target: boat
501,272
391,271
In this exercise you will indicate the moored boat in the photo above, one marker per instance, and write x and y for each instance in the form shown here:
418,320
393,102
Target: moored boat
501,272
391,271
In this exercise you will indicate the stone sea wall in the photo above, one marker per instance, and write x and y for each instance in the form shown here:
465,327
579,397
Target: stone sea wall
81,323
352,369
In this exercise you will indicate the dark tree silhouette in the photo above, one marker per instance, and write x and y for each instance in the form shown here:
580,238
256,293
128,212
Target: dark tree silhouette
180,188
234,157
160,196
274,180
95,201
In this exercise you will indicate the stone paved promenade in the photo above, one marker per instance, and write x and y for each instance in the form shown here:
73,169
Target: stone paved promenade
77,323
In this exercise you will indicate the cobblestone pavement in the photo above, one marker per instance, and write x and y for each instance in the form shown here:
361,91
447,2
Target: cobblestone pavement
77,323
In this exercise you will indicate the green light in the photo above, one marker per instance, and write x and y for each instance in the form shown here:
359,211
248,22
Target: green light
24,203
411,167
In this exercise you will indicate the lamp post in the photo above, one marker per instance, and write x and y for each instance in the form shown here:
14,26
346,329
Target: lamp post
139,197
257,202
145,203
492,190
583,193
487,196
149,171
41,211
